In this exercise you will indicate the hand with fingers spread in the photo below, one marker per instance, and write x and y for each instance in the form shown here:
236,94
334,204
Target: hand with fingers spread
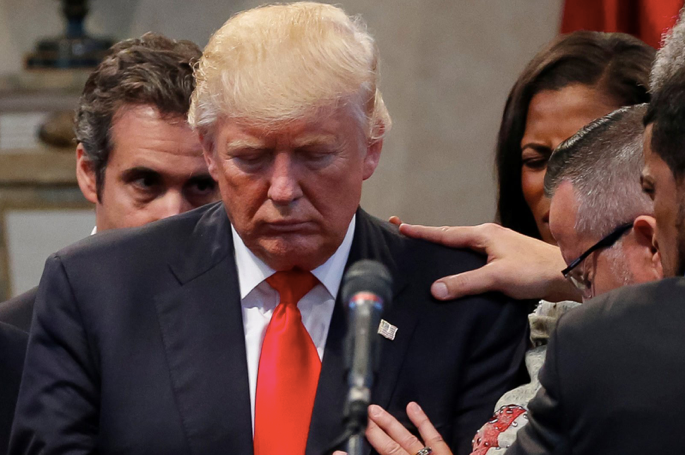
519,266
387,435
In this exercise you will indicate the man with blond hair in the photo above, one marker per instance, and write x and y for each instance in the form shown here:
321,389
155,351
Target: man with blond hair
233,343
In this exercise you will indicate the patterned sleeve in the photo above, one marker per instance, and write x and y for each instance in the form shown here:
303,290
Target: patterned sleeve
500,431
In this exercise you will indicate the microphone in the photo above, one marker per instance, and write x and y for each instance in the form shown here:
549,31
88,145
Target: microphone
367,287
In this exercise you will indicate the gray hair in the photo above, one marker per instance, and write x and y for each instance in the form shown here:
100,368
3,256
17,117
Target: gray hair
671,56
603,162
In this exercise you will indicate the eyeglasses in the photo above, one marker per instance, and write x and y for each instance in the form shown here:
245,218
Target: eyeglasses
607,241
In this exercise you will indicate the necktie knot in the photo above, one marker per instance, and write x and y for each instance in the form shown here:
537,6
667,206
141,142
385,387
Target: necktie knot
292,285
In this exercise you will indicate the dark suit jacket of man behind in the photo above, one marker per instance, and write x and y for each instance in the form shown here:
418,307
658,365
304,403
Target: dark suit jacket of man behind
18,311
614,378
145,353
12,349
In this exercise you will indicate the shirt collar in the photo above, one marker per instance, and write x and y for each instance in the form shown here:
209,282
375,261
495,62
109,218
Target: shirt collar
252,270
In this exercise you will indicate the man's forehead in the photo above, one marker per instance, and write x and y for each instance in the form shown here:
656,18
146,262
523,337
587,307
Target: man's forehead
139,132
647,141
188,157
296,140
647,154
319,125
654,166
159,154
563,219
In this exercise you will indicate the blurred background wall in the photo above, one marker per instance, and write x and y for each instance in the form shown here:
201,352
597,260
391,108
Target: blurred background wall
447,66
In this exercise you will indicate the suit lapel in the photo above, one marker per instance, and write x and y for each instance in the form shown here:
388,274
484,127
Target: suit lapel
370,242
202,330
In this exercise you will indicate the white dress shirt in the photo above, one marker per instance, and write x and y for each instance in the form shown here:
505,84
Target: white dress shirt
259,300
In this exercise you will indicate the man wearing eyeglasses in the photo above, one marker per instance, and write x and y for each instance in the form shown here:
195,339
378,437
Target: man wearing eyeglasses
603,223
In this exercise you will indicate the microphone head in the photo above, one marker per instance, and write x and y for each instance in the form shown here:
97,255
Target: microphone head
367,276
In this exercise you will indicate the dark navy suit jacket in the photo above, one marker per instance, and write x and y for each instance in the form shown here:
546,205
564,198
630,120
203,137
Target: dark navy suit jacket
138,347
12,350
18,311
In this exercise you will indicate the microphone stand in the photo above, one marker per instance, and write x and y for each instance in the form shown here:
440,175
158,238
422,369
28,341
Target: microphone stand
355,444
367,286
356,415
365,312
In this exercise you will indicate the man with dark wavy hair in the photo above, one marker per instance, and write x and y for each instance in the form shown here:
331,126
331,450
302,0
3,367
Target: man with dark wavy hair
138,160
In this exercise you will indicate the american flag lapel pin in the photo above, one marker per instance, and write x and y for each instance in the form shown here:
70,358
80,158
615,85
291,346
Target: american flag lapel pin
387,330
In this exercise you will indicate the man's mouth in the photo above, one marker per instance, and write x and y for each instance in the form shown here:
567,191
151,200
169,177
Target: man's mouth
286,226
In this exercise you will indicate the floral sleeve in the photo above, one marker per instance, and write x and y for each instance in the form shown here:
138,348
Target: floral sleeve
500,431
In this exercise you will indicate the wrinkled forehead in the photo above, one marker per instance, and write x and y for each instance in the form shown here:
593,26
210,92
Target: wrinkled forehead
325,125
300,108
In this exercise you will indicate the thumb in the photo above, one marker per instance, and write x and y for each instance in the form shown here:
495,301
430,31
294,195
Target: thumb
468,283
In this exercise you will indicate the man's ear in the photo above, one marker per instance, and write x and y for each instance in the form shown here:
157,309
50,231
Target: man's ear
645,236
208,154
85,175
373,150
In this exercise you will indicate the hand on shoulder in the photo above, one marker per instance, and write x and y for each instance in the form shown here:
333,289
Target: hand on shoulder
518,266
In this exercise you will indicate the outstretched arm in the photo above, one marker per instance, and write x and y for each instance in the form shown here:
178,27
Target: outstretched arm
518,266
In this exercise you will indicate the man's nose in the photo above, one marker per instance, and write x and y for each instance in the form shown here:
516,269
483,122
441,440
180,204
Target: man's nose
284,187
172,203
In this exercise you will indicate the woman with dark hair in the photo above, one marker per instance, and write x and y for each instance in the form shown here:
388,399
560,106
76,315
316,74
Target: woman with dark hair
577,78
574,80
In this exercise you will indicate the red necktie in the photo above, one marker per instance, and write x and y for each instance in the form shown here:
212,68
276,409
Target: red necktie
289,368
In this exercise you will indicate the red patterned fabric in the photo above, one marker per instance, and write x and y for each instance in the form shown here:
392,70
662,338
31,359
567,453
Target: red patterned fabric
646,19
289,368
488,436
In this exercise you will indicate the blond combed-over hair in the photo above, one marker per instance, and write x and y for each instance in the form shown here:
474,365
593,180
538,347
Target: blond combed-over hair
281,62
